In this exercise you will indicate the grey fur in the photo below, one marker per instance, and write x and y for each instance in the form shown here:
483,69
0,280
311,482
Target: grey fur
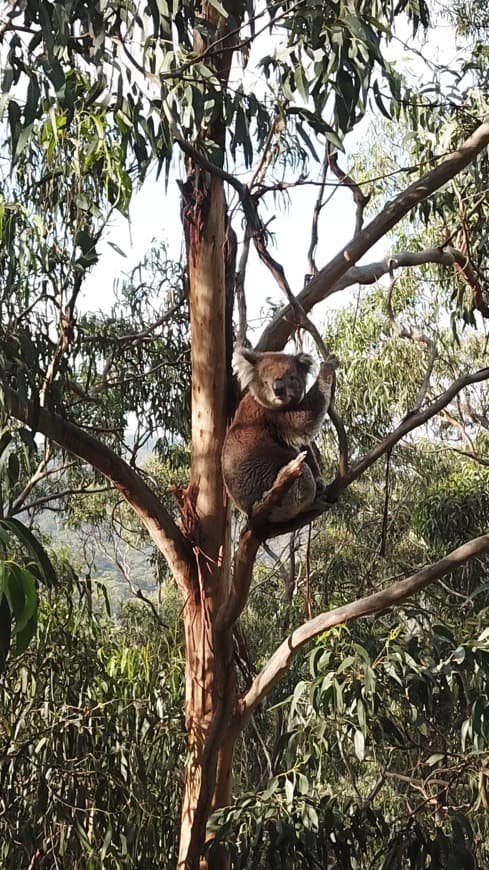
275,419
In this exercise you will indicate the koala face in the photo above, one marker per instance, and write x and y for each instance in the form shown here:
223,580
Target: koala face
276,380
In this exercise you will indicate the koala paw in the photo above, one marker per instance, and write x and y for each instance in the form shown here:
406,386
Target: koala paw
328,367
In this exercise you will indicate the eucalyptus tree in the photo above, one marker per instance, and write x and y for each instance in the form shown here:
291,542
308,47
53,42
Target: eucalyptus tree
95,93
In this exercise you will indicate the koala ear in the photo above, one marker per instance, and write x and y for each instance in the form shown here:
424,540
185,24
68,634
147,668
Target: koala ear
305,362
244,362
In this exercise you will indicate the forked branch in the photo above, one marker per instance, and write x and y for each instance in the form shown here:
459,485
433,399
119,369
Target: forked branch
410,422
324,283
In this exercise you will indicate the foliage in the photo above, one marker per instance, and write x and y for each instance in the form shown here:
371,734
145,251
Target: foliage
91,740
382,758
454,508
327,55
24,562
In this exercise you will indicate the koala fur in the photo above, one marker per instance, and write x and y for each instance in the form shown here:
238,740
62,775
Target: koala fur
275,420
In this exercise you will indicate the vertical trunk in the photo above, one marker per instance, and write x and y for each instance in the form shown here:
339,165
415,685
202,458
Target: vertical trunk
210,677
210,706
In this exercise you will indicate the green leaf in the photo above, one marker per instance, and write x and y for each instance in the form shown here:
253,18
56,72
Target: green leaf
435,758
107,841
5,631
289,791
301,82
25,635
21,593
33,546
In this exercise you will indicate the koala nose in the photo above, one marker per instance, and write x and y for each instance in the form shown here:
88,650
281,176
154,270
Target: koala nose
279,388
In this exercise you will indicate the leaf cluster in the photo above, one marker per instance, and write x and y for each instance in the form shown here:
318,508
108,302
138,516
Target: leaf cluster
380,758
91,741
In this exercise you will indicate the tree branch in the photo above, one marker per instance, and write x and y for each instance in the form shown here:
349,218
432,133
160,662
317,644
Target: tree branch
324,283
160,525
360,199
280,661
410,422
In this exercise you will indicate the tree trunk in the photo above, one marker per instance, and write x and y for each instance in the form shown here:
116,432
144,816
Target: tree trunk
210,677
210,708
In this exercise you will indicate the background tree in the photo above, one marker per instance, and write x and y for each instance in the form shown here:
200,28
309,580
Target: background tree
94,93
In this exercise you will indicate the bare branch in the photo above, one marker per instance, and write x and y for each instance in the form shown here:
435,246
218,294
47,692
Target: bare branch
145,333
360,199
325,283
240,293
55,496
457,424
318,205
280,661
120,562
410,422
160,525
40,473
256,230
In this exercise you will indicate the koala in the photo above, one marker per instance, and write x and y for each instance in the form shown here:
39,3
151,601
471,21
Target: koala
275,420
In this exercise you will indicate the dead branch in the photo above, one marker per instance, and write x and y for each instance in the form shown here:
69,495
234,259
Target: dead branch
40,473
120,562
56,496
398,592
257,231
325,282
240,293
457,424
339,426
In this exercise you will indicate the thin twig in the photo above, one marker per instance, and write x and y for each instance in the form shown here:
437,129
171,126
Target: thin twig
318,205
361,199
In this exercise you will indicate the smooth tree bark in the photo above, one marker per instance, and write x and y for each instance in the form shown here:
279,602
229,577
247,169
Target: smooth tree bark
210,680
